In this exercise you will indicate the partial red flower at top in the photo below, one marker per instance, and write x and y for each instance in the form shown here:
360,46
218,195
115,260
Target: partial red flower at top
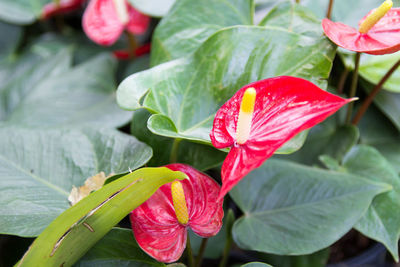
378,33
105,20
64,6
160,224
261,117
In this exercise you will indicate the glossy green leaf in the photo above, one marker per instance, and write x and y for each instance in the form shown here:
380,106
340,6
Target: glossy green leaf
290,209
377,131
191,22
202,157
77,229
21,12
382,220
373,68
317,259
38,169
186,93
117,248
52,97
154,8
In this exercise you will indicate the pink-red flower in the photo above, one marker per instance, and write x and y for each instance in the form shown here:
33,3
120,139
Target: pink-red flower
64,6
105,20
378,34
159,224
282,107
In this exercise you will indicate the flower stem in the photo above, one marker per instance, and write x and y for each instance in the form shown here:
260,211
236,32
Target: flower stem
367,102
329,11
202,249
298,1
174,150
189,252
132,44
342,80
230,219
353,87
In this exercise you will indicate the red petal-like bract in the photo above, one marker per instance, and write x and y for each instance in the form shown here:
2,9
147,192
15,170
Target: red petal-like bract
382,38
156,227
284,107
65,6
102,25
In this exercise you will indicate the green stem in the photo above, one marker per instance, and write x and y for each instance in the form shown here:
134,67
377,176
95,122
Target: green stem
353,87
132,44
367,102
230,219
174,150
342,80
202,249
329,11
189,252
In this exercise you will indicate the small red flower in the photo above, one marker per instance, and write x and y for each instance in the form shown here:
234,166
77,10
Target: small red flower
105,20
261,117
159,224
65,6
378,34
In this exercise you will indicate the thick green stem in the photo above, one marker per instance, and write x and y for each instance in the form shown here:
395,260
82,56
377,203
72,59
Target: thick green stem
367,102
174,150
230,219
353,87
189,252
329,11
202,249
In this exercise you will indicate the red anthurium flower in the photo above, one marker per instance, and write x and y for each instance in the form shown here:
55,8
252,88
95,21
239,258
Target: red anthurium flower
378,33
64,6
159,224
261,117
105,20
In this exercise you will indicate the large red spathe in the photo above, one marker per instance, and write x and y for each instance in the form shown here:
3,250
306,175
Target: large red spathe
382,38
284,106
156,227
103,26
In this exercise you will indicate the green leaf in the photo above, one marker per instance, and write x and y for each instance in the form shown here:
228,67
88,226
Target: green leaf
373,68
256,264
117,248
382,220
77,229
202,157
290,209
40,167
191,22
9,44
21,12
186,93
154,8
377,131
317,259
75,97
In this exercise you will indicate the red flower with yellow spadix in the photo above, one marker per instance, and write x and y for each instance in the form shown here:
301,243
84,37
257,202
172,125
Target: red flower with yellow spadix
378,33
105,20
261,117
160,224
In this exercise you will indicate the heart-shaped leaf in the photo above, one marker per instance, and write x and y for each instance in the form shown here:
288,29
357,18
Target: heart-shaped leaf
186,93
77,229
52,96
21,12
381,222
191,22
117,248
50,162
154,8
290,209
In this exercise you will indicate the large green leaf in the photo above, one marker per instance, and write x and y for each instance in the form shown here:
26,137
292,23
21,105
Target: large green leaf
117,248
382,220
317,259
202,157
186,93
290,209
9,44
154,8
77,229
373,68
377,131
38,169
191,22
21,12
50,95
